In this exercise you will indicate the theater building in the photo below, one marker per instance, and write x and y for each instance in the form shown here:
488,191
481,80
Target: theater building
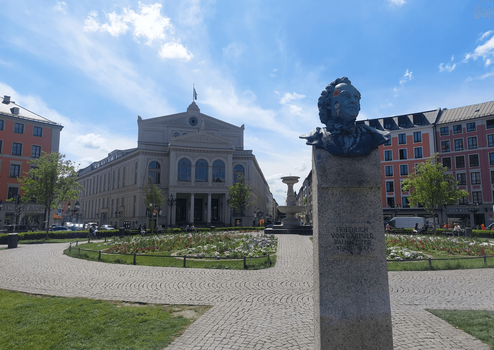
193,158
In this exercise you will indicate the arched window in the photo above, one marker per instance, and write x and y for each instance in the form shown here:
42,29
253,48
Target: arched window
201,170
218,171
154,171
238,171
184,169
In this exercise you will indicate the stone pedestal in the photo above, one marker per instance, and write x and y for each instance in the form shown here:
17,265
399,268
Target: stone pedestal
351,292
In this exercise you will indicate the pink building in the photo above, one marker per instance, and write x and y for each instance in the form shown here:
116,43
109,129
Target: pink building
465,142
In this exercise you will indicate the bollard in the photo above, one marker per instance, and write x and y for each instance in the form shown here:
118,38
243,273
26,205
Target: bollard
485,260
76,243
245,263
99,255
70,247
430,264
79,251
135,255
185,260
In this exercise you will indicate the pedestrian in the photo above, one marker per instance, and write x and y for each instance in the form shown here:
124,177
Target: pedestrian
160,229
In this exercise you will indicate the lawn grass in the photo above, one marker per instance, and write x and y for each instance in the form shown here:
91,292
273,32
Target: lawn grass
41,322
479,324
450,264
157,259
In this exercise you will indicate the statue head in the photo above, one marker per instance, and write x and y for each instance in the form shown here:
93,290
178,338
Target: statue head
339,103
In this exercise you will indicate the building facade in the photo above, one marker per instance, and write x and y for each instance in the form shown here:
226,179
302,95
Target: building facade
24,135
193,158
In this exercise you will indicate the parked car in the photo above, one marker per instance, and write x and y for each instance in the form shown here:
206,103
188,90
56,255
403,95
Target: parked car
107,227
59,228
10,228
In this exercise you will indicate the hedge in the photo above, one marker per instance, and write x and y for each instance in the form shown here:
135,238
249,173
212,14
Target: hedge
38,235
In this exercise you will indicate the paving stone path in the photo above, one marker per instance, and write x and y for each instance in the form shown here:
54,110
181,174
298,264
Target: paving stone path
265,309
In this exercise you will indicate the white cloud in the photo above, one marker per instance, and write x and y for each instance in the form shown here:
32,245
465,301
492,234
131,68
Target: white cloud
397,2
407,77
148,23
288,97
60,6
233,51
484,51
175,50
485,35
91,141
448,67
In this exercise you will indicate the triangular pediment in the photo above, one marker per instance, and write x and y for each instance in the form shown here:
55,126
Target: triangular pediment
201,139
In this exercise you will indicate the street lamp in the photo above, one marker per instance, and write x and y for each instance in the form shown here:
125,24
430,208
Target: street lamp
171,201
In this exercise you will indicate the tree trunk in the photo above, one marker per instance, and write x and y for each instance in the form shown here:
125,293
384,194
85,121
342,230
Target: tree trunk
47,222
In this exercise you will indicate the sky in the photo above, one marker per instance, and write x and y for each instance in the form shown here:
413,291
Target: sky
94,66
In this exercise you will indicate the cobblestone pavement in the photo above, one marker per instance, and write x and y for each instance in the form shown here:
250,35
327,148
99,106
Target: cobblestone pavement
265,309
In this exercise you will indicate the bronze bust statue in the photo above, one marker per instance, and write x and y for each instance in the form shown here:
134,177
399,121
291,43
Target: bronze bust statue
339,106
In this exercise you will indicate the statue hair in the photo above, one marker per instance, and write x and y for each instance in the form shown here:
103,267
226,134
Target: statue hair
324,102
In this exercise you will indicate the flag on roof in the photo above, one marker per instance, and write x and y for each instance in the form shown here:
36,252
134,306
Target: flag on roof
195,94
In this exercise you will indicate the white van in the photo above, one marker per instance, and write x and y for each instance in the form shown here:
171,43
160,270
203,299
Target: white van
406,222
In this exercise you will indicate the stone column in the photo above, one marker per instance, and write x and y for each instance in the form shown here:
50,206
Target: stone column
351,292
191,219
209,210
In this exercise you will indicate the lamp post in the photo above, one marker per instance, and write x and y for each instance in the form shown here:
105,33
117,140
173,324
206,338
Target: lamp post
171,201
74,211
474,210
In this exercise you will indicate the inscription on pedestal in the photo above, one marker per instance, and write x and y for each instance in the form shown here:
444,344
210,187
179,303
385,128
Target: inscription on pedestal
353,239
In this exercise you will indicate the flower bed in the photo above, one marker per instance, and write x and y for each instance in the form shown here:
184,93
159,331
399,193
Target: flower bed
449,245
225,244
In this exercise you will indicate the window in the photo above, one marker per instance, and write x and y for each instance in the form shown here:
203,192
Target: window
388,142
474,160
402,139
472,142
154,172
459,145
0,146
12,192
118,179
38,131
1,124
403,169
460,162
388,155
489,124
391,202
477,197
417,152
238,171
184,169
492,177
201,170
417,136
390,186
123,178
218,171
491,158
475,178
457,129
404,202
461,178
445,146
403,154
447,162
15,170
17,149
471,126
463,200
490,140
444,130
19,128
35,151
388,170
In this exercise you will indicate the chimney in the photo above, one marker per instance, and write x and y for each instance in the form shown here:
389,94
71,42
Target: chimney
14,110
6,99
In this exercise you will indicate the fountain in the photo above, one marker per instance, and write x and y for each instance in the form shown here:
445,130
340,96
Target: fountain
290,225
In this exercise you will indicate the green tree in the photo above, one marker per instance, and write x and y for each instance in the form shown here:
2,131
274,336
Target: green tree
153,198
431,187
50,181
240,194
